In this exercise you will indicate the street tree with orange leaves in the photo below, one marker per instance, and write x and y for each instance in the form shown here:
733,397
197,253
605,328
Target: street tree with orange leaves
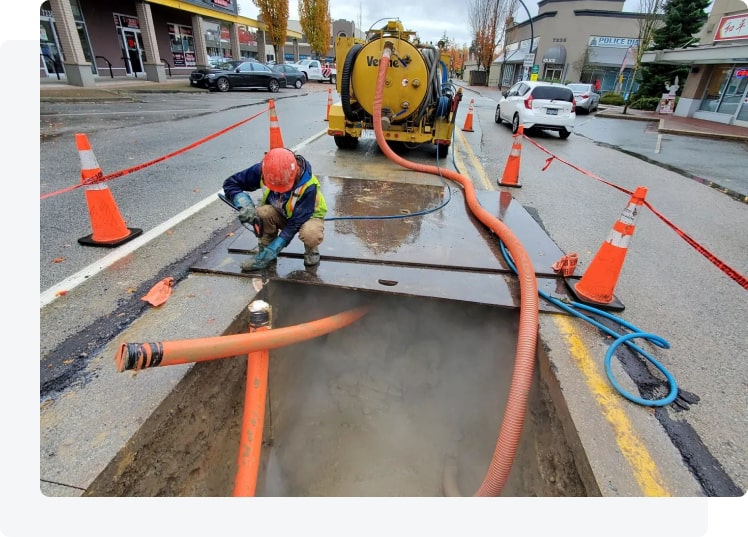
486,19
315,21
274,14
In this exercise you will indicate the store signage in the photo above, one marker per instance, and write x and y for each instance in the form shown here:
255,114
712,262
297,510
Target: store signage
613,42
741,72
126,22
732,27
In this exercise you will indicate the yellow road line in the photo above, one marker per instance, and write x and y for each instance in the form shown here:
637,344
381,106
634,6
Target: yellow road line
476,163
633,449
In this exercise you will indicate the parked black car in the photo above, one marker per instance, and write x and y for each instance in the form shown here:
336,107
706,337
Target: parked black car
294,77
238,74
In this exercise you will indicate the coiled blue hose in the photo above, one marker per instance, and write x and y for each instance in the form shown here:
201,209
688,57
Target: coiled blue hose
636,333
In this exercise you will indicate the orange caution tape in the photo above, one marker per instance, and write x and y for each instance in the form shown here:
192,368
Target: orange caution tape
160,292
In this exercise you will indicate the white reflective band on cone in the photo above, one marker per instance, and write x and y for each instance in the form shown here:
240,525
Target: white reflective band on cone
618,239
88,160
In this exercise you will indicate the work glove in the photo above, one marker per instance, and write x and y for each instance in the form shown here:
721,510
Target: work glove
268,254
246,207
247,212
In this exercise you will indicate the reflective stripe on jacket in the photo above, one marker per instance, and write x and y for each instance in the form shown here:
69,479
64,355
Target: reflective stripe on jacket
320,206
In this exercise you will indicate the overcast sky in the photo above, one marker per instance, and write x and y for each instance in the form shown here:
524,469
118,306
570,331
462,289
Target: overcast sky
429,18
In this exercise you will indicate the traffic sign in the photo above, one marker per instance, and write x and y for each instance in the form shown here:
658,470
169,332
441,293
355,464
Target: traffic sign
529,60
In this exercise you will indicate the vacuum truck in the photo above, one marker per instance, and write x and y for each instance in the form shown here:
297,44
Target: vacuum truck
419,102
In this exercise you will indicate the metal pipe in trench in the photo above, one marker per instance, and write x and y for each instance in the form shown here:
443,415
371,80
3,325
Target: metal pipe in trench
514,414
136,356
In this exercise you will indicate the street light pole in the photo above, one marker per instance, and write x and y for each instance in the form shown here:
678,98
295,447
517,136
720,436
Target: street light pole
532,34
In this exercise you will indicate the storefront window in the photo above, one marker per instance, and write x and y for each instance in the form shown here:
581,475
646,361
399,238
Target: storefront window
49,50
734,91
217,41
713,92
49,45
80,26
83,36
552,72
247,42
182,45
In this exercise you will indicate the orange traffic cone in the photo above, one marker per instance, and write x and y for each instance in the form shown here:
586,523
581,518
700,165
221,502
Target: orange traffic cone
276,139
109,228
329,103
511,170
597,285
468,127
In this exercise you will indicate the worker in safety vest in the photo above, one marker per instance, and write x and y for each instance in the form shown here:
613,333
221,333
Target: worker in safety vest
292,202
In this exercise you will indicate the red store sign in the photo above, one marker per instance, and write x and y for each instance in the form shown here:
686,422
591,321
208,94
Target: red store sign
732,27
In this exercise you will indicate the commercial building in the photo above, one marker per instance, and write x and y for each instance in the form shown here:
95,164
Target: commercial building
81,40
572,41
717,85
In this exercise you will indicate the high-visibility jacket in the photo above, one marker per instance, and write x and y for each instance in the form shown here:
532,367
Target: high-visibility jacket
303,202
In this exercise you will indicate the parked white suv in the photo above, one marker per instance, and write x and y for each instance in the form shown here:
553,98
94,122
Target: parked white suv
538,105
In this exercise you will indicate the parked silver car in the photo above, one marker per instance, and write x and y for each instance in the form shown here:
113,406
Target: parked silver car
538,105
587,98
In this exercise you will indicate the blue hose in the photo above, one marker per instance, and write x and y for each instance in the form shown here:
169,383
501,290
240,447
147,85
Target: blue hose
636,333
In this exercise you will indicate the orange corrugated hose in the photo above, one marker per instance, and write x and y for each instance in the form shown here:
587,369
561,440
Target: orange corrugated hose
136,356
514,414
253,420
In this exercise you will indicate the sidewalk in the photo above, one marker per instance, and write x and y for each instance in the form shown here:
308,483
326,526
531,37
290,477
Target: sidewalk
118,88
684,126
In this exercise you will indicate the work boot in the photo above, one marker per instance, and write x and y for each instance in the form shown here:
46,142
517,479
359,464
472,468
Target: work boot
311,256
246,265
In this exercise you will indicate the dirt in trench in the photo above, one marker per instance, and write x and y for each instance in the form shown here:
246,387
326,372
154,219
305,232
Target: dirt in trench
373,409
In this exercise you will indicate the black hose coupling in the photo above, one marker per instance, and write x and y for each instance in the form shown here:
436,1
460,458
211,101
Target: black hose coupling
139,356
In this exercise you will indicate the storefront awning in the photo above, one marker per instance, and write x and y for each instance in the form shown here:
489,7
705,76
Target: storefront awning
556,54
515,56
705,54
609,57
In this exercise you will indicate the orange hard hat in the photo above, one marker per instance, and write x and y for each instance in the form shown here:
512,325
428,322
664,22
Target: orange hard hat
279,169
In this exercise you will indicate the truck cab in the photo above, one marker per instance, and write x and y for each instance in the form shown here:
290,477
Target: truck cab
317,70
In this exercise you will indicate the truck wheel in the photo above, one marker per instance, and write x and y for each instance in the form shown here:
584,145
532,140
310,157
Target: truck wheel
333,78
346,141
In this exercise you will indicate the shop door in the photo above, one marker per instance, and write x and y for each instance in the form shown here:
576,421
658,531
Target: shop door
132,49
49,49
741,114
